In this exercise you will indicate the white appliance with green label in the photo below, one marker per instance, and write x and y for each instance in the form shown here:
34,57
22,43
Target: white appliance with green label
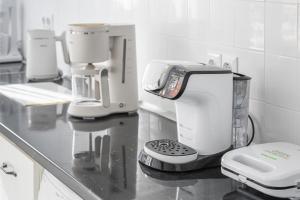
272,168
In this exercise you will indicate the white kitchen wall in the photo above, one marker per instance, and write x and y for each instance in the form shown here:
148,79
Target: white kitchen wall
264,34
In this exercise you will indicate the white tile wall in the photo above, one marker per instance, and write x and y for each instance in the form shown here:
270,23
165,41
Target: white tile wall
281,124
249,24
252,64
198,20
222,23
281,28
264,34
283,82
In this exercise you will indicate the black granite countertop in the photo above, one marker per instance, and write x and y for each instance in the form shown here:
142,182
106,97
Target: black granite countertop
98,159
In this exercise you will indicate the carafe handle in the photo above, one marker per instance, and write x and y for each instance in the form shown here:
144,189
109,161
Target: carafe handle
62,40
104,91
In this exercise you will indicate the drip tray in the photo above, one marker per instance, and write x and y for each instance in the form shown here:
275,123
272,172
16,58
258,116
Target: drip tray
169,148
172,156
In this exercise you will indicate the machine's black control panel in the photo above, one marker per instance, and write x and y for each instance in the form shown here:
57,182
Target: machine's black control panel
174,83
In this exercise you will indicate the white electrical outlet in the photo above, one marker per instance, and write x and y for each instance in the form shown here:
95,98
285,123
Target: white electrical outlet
214,59
230,62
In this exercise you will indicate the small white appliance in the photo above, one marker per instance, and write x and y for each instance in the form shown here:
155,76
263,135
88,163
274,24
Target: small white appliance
9,32
203,98
104,74
41,55
272,168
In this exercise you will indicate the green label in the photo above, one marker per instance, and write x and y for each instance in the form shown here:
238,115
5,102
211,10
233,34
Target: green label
268,156
275,154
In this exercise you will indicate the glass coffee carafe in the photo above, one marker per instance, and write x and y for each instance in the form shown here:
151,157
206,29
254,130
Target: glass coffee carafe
85,83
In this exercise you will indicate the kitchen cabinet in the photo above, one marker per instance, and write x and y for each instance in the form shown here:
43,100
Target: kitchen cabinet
21,178
19,174
52,189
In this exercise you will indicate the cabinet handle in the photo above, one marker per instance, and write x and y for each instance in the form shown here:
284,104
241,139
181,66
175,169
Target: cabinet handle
4,168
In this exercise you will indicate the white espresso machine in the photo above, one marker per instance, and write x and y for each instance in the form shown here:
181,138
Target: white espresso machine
203,98
103,67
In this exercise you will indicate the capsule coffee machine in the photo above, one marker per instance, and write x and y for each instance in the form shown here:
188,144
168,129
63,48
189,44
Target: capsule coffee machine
203,98
103,66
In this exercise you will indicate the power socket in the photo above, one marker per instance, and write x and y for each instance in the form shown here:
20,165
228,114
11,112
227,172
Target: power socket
214,59
230,62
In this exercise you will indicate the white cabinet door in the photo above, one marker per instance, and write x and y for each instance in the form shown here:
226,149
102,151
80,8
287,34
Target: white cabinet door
52,189
16,173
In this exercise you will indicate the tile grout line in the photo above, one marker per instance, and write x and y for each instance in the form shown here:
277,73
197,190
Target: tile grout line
263,125
298,27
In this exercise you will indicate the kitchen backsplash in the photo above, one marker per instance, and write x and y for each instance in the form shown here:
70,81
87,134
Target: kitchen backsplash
264,35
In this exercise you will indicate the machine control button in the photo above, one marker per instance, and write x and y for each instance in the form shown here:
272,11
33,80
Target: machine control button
121,105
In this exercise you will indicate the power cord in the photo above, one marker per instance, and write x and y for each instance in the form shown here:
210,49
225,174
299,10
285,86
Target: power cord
253,130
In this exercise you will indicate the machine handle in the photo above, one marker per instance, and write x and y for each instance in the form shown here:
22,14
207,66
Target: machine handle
5,170
62,40
104,88
124,59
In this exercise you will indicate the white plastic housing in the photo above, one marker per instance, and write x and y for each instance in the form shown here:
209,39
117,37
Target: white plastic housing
123,85
272,168
204,113
88,43
41,55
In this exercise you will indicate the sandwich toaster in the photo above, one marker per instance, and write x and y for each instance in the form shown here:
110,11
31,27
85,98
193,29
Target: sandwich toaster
272,168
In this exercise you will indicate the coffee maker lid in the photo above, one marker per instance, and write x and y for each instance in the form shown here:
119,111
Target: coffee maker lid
88,27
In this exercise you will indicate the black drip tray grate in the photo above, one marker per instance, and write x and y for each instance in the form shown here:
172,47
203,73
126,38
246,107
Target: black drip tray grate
169,148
